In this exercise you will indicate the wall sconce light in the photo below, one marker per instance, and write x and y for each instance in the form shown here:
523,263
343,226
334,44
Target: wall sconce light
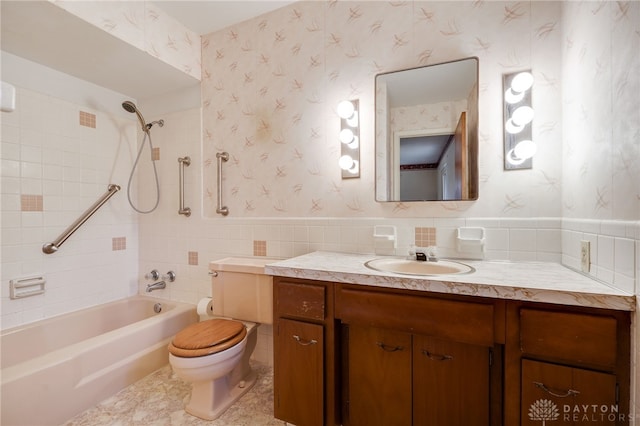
349,139
519,147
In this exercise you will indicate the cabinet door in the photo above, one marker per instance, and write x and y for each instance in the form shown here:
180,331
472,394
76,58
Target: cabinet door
451,384
298,373
573,396
379,377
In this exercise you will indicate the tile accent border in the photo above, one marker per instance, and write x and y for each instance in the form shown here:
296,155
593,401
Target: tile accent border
31,203
119,243
87,119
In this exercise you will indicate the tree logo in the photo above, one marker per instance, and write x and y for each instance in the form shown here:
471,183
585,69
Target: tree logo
544,409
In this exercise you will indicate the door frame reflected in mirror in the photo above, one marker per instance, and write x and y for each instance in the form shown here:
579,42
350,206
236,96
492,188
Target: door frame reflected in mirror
424,157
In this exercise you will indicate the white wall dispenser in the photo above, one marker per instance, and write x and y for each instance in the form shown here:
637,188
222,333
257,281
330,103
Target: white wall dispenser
470,241
26,286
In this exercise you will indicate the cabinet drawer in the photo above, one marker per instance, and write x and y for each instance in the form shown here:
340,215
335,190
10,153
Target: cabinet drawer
300,300
567,388
465,322
575,337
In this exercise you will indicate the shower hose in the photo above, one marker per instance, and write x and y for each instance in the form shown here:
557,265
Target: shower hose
147,136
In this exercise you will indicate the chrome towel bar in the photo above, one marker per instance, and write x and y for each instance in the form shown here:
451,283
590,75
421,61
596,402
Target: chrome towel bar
52,247
221,156
183,161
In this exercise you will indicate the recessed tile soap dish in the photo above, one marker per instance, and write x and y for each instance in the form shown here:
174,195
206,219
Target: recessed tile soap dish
471,240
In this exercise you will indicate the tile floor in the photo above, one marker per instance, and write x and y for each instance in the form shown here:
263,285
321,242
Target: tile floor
157,400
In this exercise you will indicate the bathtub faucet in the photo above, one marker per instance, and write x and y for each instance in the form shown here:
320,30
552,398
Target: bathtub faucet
156,286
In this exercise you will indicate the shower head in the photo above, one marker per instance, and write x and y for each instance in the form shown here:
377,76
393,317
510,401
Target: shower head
131,107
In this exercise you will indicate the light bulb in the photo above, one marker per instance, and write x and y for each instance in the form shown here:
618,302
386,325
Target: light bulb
345,109
353,120
511,97
513,159
512,127
525,149
522,82
346,136
345,162
523,115
354,143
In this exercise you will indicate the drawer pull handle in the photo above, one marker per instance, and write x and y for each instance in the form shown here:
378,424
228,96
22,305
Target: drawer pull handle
568,393
304,342
436,357
388,348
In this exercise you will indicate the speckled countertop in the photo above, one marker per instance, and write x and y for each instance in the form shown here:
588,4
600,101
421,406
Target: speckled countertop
527,281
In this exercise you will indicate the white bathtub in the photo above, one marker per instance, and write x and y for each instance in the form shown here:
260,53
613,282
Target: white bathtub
61,366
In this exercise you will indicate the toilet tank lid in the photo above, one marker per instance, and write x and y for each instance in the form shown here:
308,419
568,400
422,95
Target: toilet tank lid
250,265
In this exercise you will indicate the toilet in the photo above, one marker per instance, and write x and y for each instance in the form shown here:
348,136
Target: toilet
213,354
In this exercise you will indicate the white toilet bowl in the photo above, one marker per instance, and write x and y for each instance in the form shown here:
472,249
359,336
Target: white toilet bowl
214,354
218,379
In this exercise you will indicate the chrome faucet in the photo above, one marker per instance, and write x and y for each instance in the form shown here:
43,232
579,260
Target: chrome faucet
155,275
427,254
156,286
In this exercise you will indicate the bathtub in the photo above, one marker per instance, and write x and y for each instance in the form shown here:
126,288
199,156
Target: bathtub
58,367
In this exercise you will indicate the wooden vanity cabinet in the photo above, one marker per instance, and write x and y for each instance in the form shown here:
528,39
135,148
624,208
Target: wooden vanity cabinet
378,376
364,355
304,353
418,359
561,359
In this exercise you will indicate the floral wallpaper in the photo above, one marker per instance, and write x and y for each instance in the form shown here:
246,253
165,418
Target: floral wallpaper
270,87
601,108
442,115
145,26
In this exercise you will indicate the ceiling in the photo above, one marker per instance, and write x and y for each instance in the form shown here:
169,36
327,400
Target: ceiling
422,149
207,16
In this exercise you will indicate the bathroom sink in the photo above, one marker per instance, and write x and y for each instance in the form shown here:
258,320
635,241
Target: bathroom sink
414,267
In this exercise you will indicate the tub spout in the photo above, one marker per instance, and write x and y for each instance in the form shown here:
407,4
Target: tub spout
156,286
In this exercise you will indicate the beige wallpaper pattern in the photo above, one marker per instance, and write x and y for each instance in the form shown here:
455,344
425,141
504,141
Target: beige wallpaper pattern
271,85
601,94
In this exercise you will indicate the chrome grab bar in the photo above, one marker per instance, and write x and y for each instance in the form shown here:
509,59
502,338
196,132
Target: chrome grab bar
221,156
183,161
52,247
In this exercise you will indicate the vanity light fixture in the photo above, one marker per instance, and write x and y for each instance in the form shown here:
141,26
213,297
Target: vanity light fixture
519,147
349,138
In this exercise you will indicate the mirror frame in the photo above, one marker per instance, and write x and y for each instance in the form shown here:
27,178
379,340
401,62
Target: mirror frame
382,168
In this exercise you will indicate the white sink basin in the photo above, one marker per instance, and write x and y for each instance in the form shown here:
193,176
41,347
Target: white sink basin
414,267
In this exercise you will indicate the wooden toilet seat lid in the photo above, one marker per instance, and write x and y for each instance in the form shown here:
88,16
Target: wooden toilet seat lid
207,337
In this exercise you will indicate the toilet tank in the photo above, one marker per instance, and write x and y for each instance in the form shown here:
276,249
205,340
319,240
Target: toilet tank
241,290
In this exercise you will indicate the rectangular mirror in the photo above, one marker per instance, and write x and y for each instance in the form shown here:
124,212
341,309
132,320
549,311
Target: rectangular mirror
427,133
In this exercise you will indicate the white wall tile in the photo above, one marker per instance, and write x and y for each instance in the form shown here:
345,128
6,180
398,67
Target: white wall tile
606,252
46,168
522,240
624,257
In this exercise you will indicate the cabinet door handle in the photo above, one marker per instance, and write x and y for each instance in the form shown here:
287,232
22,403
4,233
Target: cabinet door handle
304,342
436,357
566,394
389,348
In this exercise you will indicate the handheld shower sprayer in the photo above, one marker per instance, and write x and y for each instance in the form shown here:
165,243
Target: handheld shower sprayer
131,107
